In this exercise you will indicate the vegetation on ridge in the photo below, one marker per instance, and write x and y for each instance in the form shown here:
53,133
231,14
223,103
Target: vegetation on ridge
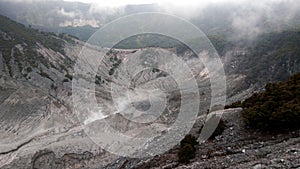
19,43
277,108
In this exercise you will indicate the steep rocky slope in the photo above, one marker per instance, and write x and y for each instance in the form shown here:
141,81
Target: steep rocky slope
34,86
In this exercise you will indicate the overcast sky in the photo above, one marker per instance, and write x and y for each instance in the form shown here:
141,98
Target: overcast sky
124,2
170,3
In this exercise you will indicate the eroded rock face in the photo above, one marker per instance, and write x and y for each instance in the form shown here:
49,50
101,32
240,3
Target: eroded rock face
38,112
39,129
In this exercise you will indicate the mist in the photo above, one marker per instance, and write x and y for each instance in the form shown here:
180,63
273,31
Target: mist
236,19
241,19
245,19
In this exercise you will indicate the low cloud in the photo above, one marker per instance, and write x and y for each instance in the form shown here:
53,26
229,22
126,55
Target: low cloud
62,11
255,18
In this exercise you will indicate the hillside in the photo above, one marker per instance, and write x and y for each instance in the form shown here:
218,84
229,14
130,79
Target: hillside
34,69
22,51
273,57
40,129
